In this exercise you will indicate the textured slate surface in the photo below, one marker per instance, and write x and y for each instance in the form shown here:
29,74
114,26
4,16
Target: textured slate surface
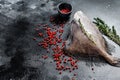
20,56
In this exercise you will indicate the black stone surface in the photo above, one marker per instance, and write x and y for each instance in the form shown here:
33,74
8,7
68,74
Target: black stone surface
20,56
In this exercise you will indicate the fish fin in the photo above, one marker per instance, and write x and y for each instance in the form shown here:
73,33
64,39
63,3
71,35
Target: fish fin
117,62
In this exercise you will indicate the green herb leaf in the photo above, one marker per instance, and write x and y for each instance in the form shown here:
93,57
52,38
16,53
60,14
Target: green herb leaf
106,30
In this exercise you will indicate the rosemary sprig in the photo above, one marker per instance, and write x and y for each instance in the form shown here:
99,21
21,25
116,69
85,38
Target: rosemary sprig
106,30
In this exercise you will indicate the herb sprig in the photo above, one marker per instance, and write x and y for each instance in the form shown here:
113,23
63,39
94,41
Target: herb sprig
106,30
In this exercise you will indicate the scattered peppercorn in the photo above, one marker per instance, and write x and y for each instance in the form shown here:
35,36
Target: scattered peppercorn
64,11
51,40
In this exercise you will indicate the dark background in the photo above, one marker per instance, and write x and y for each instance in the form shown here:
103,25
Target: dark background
20,56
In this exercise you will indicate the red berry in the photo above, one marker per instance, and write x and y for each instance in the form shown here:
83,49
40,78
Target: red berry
60,72
34,38
40,34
